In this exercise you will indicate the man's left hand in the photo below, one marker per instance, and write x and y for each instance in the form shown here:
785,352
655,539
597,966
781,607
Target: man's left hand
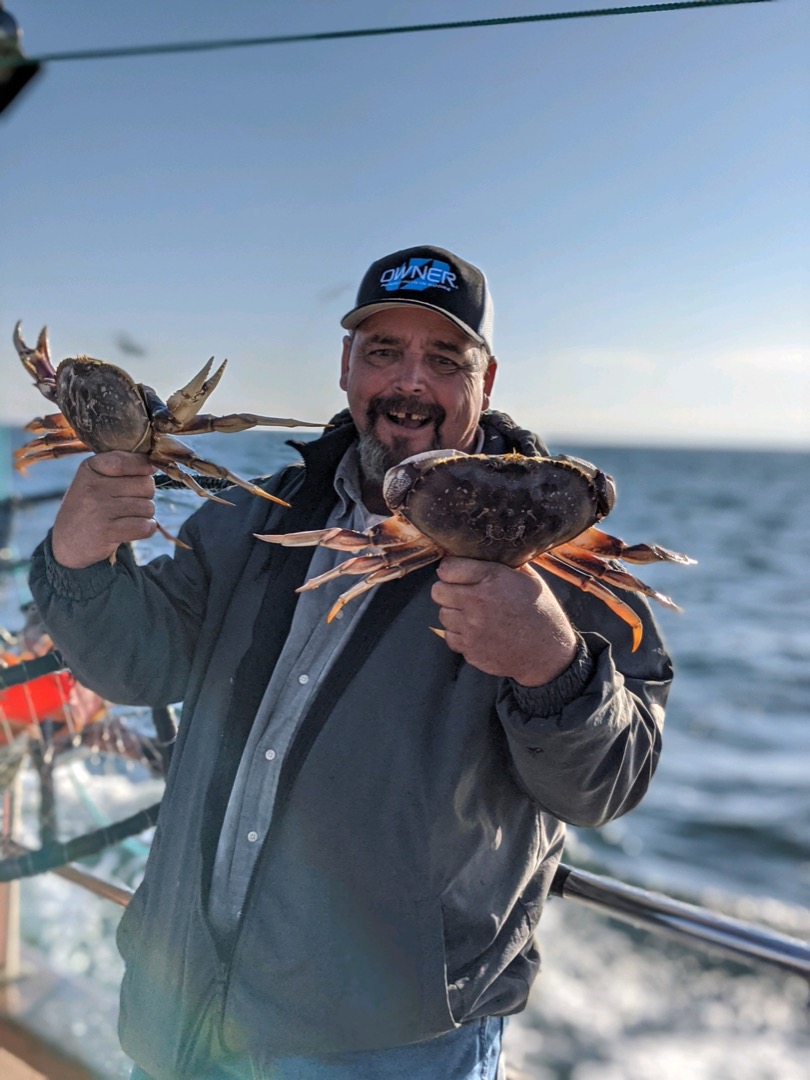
503,621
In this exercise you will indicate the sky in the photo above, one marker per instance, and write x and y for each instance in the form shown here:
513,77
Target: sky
636,188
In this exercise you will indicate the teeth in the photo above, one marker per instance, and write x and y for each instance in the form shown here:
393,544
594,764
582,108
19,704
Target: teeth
408,416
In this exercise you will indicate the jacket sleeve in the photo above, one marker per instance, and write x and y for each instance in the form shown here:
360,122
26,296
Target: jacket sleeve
131,632
585,746
126,631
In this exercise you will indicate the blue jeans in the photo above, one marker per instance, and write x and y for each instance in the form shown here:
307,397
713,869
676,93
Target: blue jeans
471,1052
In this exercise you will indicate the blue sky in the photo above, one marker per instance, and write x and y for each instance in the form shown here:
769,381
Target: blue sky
637,189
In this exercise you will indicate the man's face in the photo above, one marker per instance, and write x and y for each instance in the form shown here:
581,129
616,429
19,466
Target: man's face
415,382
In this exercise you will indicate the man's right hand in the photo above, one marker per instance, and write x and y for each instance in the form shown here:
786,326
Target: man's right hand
109,502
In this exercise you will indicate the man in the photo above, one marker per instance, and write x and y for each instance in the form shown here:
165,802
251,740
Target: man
361,821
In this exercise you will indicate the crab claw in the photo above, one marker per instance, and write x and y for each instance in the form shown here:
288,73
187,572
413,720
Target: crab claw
37,362
185,403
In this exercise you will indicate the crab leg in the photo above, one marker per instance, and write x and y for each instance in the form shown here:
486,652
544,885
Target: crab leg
170,451
176,473
392,549
416,561
370,563
601,543
165,532
592,564
390,534
41,425
343,539
52,438
240,422
360,564
589,584
46,448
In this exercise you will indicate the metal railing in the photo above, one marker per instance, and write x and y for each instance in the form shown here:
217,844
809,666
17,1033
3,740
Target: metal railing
689,923
119,894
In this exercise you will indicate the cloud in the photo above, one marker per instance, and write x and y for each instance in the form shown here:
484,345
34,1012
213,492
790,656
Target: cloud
791,359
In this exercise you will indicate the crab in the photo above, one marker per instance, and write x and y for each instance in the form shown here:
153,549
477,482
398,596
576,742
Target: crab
103,408
509,509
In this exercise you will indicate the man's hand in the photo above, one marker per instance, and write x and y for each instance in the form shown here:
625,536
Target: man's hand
109,502
503,621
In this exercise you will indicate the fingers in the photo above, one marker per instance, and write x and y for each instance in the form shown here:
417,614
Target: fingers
455,571
463,572
120,463
129,508
503,621
110,502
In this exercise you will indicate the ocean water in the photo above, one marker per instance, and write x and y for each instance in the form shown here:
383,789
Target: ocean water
726,822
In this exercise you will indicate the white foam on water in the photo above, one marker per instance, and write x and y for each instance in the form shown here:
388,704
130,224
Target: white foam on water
614,1003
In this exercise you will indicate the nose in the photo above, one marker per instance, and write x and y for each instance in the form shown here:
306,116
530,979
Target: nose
410,376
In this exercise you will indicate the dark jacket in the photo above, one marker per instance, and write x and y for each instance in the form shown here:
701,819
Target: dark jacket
420,809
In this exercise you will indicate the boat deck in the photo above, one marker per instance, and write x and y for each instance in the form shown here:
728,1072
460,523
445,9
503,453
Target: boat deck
48,1026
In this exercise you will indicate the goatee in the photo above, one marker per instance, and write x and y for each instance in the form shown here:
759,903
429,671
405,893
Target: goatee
376,457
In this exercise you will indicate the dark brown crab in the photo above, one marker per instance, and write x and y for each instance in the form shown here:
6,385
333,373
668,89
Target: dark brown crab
103,408
509,509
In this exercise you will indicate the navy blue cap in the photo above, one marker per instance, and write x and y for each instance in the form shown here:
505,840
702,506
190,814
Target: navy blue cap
428,277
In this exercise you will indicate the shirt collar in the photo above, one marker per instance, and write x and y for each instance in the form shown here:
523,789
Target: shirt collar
347,479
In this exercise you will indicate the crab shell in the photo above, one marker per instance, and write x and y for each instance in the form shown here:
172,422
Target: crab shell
504,509
104,406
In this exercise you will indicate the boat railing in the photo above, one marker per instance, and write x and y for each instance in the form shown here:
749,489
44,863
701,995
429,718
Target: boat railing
691,924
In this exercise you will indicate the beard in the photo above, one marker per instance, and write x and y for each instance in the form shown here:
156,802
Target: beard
377,457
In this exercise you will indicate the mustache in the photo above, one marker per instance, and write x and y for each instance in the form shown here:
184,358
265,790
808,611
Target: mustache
404,403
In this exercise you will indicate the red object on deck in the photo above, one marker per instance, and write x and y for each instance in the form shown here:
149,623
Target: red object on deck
32,702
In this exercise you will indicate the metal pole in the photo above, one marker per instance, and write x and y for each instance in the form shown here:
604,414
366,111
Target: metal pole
118,894
10,894
687,922
696,926
95,885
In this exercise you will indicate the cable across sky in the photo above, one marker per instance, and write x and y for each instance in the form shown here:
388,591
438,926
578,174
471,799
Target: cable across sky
335,35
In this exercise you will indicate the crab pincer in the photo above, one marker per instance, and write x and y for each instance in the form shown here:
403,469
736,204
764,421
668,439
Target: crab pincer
102,408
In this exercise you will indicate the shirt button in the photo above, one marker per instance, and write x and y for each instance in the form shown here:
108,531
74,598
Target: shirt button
270,755
253,836
339,615
303,679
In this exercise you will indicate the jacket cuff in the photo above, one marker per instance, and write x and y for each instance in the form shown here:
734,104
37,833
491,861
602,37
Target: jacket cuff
551,698
79,585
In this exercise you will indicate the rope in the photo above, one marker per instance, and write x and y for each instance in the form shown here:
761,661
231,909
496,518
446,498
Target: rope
26,670
339,35
210,483
56,854
135,847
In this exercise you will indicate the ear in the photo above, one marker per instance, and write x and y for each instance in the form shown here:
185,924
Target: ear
344,362
489,379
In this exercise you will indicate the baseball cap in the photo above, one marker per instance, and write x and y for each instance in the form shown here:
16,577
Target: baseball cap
428,277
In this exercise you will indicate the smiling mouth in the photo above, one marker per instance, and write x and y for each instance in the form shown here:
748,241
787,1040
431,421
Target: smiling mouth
411,420
404,412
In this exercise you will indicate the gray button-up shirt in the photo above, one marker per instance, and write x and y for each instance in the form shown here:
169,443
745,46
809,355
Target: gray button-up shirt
310,650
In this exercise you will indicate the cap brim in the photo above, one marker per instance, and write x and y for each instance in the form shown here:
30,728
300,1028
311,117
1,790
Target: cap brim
358,314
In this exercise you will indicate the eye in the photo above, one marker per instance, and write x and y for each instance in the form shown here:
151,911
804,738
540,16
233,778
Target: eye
380,355
445,364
